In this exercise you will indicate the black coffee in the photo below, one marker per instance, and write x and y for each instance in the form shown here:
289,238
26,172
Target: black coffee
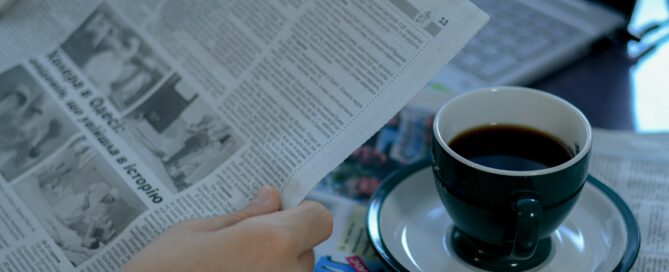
511,147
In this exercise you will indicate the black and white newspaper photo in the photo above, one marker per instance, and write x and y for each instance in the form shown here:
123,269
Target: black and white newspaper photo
79,200
179,136
115,58
32,125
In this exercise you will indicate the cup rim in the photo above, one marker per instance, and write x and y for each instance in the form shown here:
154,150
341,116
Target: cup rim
582,153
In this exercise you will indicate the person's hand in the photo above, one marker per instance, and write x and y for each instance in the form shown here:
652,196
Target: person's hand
259,237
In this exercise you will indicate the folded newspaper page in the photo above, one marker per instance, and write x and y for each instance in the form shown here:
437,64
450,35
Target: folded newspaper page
121,118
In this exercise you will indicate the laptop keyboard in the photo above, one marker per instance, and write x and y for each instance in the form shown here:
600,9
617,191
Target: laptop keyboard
515,34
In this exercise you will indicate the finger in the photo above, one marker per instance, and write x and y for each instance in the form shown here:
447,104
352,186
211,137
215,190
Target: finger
306,261
265,201
309,224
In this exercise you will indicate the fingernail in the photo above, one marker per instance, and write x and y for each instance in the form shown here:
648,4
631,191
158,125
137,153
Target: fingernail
264,194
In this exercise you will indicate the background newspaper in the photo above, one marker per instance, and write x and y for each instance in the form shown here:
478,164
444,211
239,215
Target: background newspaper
636,166
119,119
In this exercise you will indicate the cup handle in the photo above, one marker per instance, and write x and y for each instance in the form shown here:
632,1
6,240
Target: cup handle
528,218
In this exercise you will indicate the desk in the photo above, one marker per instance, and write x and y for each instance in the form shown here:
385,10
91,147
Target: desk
612,90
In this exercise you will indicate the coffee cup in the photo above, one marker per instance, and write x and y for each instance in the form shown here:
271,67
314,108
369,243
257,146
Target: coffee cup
509,165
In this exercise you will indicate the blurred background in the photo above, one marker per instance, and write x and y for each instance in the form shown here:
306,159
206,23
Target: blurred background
623,84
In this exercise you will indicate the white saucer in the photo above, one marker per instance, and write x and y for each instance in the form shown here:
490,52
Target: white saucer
409,228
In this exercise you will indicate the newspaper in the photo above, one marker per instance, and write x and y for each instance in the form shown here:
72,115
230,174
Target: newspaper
119,119
635,165
405,139
348,249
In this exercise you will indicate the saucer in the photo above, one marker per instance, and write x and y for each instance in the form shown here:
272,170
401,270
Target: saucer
409,228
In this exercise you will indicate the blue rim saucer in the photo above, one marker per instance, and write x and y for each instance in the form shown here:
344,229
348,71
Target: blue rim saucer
408,227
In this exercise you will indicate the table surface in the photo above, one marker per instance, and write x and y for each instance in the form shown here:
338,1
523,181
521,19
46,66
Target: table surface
613,90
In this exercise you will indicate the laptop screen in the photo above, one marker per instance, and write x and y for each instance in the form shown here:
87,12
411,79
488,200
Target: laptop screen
625,7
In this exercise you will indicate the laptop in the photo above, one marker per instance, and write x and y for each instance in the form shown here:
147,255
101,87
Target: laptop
526,40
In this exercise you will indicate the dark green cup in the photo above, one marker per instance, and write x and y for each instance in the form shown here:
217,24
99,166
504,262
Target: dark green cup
503,219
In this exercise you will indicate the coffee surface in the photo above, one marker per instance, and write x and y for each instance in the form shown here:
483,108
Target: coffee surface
511,147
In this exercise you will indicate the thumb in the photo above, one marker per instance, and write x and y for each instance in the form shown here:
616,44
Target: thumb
265,201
